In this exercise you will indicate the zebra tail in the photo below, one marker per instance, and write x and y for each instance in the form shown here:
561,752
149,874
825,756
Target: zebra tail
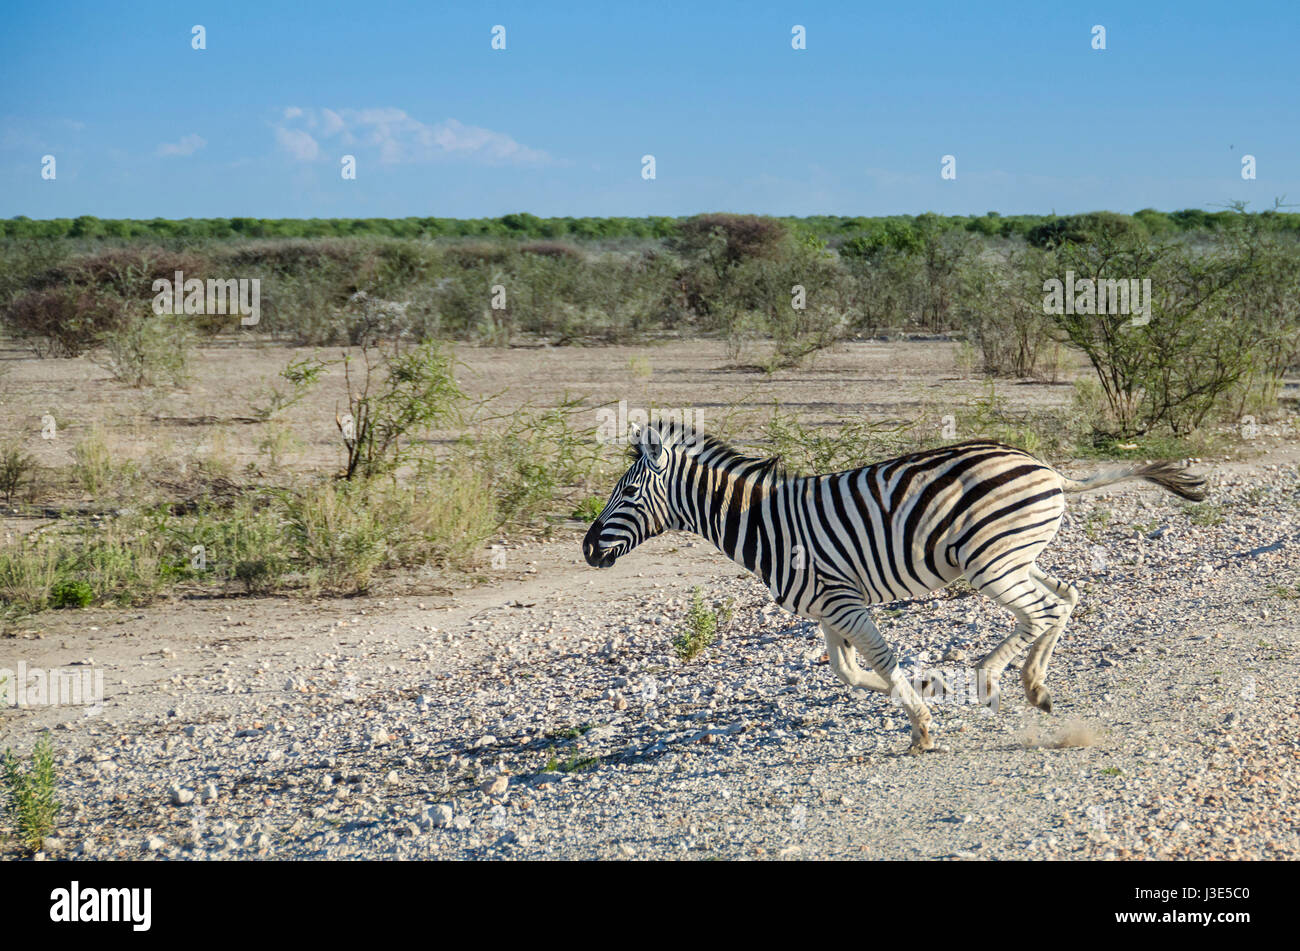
1167,475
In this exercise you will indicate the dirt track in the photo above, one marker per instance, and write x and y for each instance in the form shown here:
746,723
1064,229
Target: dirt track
544,713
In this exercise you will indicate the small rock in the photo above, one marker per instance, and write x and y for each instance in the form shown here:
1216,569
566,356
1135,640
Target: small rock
438,816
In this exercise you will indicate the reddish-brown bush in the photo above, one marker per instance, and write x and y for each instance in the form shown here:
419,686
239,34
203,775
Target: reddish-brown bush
743,236
63,321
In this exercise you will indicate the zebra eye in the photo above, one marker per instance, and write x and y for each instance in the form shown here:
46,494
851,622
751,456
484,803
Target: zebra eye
630,491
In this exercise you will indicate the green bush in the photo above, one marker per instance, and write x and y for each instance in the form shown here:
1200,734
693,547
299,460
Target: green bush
702,623
589,509
908,272
1000,302
534,458
71,593
1086,229
338,536
849,443
30,799
148,349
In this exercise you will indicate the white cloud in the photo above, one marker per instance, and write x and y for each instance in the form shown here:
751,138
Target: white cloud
396,137
332,123
298,143
455,137
186,146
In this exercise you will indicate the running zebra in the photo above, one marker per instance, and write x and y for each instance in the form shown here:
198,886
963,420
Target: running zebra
827,546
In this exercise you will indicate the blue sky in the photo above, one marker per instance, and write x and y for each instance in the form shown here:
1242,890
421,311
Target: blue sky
142,125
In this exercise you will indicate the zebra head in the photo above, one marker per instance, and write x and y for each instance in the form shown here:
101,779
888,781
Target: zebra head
637,508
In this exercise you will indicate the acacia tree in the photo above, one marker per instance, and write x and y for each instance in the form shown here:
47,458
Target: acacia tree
394,395
1003,310
1173,370
1268,296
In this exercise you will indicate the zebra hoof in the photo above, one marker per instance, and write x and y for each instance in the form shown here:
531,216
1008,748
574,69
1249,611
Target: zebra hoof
921,745
1039,697
993,700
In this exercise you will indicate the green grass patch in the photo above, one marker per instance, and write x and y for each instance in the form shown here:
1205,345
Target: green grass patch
1096,523
589,509
1141,448
1206,514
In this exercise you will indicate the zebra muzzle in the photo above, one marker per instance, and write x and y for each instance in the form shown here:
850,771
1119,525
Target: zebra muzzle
596,557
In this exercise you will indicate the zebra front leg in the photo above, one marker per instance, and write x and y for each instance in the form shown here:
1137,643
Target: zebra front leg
856,625
840,652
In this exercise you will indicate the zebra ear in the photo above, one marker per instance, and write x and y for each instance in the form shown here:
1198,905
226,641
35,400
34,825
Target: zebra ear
652,448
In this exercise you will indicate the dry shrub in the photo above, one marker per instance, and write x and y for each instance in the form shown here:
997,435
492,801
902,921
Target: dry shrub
473,254
61,321
293,256
550,249
69,308
129,273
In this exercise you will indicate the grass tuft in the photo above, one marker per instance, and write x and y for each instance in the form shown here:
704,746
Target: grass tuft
702,624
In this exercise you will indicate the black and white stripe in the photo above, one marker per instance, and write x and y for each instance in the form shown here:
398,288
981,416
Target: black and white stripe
828,546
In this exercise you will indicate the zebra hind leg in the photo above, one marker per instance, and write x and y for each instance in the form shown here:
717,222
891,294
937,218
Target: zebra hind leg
1038,610
1034,672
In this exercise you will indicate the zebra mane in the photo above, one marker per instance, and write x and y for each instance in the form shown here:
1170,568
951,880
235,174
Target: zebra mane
717,451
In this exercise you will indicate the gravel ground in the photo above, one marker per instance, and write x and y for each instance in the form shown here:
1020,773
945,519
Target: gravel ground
545,715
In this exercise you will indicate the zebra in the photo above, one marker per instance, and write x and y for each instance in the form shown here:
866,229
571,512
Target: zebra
829,546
